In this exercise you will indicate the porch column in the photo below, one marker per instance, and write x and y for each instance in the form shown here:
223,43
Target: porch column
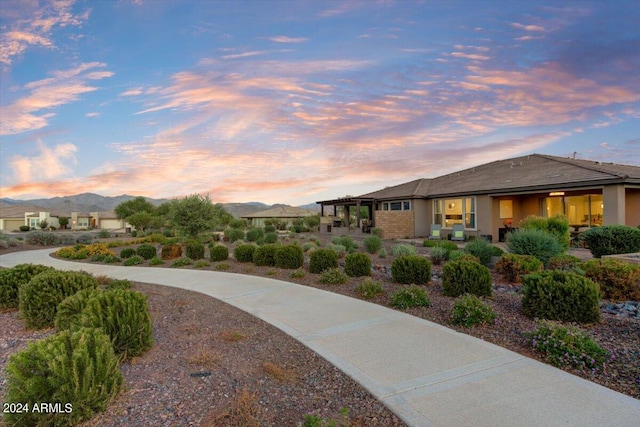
346,212
321,210
614,205
358,213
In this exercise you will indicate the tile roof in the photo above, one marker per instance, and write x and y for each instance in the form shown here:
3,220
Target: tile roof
411,189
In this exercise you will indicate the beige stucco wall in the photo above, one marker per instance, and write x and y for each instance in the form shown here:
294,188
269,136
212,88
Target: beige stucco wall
396,224
613,197
423,217
110,224
11,224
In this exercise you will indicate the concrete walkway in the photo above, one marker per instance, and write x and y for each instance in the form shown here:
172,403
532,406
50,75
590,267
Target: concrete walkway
425,373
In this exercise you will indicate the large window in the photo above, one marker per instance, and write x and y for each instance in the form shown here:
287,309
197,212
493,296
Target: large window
586,210
448,212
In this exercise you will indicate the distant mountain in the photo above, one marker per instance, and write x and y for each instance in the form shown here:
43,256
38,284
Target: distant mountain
90,202
311,207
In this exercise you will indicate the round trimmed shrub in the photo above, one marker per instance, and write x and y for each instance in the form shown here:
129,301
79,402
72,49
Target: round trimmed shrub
357,265
77,368
40,297
218,253
465,277
612,240
322,259
410,296
244,253
171,251
289,256
127,253
372,244
146,251
255,234
85,238
134,260
334,276
403,249
533,241
565,262
124,316
11,279
514,266
411,269
438,254
618,280
265,255
561,295
369,288
469,310
270,237
70,309
194,250
347,241
233,234
480,248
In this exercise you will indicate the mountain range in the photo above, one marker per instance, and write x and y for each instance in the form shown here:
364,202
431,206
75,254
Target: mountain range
90,202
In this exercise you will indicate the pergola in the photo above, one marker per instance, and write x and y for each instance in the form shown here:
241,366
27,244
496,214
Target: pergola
347,203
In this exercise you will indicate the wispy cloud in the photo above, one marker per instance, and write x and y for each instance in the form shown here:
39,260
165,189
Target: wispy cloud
50,163
534,28
34,26
285,39
33,110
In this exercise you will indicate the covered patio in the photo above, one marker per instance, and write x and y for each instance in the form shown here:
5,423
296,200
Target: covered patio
344,216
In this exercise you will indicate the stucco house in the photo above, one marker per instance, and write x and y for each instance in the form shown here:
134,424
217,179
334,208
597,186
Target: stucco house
285,214
12,217
485,197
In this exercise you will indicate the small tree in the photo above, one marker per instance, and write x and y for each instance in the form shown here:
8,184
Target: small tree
140,220
63,221
312,222
196,214
133,206
43,224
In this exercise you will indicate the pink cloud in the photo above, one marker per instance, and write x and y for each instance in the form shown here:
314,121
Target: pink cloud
285,39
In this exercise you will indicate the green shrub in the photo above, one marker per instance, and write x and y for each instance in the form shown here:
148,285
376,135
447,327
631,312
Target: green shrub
566,262
40,297
289,256
222,266
234,234
466,277
171,251
255,234
340,250
118,284
42,238
76,368
382,253
269,229
618,280
265,255
201,263
69,310
410,296
538,243
194,250
181,262
514,266
411,269
496,251
146,251
322,259
85,238
372,244
438,254
482,249
567,346
450,246
334,276
110,259
403,250
244,253
309,245
104,234
11,279
369,288
469,310
346,241
561,295
377,231
612,240
156,261
24,228
297,274
357,265
134,260
159,238
218,253
461,255
557,226
270,237
127,253
124,316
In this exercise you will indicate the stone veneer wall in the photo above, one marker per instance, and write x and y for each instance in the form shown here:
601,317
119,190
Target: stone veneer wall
395,224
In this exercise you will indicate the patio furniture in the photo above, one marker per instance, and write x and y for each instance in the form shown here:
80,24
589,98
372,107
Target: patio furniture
458,233
436,232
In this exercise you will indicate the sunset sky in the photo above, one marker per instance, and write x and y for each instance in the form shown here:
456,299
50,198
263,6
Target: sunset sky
299,101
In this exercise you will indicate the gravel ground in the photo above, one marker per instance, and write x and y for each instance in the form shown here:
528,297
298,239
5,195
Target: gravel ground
196,334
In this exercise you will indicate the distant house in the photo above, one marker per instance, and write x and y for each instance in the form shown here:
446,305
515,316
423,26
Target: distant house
486,197
285,214
13,217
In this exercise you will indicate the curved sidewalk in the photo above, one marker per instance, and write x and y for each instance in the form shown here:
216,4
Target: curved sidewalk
425,373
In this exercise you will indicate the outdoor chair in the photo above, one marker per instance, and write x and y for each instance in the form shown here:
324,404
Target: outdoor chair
436,232
458,232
